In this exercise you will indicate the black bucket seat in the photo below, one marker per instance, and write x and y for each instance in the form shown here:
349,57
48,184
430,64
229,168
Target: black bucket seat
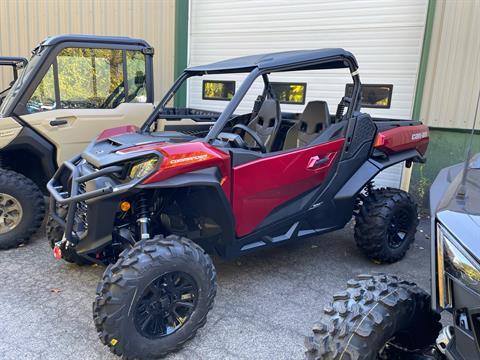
314,119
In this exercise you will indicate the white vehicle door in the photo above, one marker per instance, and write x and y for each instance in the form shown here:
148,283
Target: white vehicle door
87,90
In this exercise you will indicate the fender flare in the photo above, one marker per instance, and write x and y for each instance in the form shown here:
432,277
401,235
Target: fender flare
31,141
209,177
369,170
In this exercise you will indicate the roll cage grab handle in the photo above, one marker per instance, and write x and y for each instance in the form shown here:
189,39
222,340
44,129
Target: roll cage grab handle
243,89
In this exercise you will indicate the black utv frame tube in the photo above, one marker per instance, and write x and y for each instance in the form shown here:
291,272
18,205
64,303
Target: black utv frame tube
248,81
14,63
243,89
232,105
161,105
75,197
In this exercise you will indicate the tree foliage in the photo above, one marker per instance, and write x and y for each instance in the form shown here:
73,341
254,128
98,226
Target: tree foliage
89,78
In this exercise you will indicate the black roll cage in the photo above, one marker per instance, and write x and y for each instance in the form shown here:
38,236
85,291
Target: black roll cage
354,102
15,62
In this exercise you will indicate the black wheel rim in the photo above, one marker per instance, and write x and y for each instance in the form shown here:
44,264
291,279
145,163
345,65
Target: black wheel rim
166,304
399,228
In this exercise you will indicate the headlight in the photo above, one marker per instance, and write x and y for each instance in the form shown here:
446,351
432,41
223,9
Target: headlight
454,260
143,168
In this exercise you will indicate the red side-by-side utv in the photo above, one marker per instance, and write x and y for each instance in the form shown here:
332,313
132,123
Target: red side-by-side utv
154,205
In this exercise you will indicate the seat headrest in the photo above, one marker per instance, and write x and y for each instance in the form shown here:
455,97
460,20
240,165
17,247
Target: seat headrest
268,113
315,117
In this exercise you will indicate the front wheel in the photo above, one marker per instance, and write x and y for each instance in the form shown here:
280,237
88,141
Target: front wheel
155,297
374,318
22,209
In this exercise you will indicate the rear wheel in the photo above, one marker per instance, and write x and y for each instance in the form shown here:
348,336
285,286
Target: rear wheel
22,209
155,297
386,224
373,319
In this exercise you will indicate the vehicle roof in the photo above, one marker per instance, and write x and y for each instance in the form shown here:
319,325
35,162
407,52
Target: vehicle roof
12,60
57,39
300,59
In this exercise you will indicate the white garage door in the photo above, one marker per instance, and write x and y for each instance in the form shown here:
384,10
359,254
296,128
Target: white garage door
385,36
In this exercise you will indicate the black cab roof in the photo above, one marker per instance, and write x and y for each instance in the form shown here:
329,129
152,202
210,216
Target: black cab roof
300,59
12,60
57,39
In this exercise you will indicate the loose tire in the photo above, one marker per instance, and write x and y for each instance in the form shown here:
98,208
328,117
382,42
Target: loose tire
22,209
135,297
54,232
386,224
371,312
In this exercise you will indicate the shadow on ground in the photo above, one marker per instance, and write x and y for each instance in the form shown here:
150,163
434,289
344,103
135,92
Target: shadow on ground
266,302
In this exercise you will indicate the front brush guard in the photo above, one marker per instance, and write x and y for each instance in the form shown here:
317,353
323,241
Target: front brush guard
73,196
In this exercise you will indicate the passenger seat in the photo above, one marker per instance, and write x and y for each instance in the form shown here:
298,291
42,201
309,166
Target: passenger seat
314,119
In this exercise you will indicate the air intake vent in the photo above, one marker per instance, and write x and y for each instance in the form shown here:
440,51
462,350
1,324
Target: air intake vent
114,143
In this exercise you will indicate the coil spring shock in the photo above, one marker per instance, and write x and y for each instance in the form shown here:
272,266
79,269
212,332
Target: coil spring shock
367,190
143,219
369,187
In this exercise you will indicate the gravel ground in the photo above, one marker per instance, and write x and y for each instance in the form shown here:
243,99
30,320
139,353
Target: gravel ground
265,305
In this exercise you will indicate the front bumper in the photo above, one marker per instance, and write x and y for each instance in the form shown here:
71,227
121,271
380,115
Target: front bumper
92,197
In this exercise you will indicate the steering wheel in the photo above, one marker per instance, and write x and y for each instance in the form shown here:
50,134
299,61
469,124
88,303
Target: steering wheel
253,134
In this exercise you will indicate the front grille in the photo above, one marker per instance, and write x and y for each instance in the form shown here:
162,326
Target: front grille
197,133
80,224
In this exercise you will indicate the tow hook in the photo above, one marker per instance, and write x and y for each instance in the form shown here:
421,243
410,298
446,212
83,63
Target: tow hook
444,338
59,247
57,252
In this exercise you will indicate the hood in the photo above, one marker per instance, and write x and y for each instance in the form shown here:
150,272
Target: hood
448,192
105,134
111,146
457,206
178,153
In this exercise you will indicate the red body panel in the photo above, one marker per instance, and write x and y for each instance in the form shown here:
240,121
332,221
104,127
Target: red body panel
403,138
116,131
262,185
185,157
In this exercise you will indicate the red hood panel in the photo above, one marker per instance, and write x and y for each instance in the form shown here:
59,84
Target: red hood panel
186,157
117,131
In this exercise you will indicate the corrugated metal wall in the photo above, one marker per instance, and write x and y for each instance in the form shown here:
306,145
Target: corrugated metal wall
385,36
453,74
24,23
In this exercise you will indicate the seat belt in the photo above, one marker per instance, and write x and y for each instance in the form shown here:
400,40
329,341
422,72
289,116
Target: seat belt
256,106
